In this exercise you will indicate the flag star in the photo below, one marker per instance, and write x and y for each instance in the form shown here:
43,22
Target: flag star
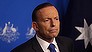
86,33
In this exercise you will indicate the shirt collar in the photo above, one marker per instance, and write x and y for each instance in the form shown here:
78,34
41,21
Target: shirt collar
44,44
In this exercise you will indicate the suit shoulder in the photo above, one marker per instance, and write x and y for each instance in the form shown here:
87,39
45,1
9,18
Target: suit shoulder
24,46
64,39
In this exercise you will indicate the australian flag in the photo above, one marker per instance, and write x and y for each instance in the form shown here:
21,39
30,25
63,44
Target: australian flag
76,22
79,14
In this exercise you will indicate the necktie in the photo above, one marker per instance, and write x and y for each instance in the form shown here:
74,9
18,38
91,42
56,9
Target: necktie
52,48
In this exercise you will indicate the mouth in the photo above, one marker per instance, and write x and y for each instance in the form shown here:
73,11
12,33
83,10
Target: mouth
53,30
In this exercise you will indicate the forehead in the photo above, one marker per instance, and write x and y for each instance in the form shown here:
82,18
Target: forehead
49,11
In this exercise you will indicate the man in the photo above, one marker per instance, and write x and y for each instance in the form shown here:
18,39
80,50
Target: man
45,21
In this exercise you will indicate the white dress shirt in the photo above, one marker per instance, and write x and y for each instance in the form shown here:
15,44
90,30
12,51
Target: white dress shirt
44,44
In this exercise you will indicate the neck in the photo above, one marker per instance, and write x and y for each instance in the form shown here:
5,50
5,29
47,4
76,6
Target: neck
46,39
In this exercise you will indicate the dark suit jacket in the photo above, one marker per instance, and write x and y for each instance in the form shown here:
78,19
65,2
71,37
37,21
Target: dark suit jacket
64,44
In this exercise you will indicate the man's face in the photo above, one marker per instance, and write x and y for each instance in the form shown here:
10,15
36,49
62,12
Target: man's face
48,23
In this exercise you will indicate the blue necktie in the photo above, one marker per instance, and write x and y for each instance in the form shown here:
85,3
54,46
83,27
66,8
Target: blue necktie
52,48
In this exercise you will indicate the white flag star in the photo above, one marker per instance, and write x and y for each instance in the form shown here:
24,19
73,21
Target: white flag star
86,33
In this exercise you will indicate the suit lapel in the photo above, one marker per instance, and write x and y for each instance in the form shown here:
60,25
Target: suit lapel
36,46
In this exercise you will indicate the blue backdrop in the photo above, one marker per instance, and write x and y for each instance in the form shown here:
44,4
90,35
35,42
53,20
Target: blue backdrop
15,22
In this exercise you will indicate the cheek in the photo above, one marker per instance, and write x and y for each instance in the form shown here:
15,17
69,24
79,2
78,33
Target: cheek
44,27
58,24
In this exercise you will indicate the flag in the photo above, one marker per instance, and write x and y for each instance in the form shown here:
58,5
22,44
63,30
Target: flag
77,24
15,22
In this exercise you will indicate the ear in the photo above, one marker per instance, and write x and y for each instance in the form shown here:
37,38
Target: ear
35,26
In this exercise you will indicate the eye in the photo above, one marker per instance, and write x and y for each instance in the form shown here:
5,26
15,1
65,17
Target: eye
56,18
46,20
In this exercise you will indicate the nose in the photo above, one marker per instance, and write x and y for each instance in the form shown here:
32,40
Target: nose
52,23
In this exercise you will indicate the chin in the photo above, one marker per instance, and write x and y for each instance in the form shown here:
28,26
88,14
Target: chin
54,36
